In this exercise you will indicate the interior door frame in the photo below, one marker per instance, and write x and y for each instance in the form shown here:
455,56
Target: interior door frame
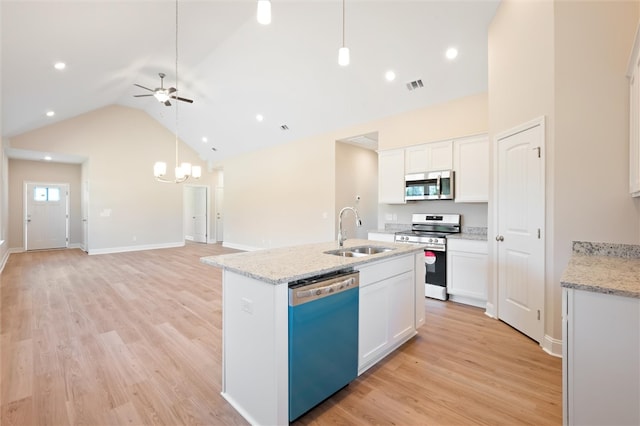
26,195
493,301
207,203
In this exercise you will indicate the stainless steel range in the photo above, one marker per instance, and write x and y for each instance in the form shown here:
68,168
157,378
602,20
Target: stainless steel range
432,230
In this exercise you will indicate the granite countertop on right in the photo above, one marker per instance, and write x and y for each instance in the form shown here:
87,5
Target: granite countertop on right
604,268
470,233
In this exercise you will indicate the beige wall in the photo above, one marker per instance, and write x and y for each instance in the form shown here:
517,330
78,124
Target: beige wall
356,176
127,208
566,61
280,196
285,195
461,117
21,171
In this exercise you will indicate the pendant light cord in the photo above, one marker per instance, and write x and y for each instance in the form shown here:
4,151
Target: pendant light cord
177,83
343,23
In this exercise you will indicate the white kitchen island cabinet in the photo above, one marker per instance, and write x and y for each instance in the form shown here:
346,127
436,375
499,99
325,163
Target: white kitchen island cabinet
601,335
387,289
255,376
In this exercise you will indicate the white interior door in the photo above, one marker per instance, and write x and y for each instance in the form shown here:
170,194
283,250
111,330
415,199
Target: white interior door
46,222
195,216
85,216
520,224
218,212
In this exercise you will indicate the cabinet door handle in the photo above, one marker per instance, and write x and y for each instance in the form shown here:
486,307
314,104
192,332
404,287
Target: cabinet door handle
499,238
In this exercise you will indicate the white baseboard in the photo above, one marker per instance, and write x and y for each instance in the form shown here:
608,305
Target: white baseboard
491,311
465,300
111,250
552,346
4,259
240,246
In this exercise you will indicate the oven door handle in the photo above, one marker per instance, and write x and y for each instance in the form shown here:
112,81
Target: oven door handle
435,248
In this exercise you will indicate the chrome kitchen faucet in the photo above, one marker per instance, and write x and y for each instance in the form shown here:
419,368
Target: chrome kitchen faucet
341,234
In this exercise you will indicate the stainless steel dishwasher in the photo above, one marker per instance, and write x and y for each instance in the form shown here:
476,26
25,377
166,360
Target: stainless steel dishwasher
323,338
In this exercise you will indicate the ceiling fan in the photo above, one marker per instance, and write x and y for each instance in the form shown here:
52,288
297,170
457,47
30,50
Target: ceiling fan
161,94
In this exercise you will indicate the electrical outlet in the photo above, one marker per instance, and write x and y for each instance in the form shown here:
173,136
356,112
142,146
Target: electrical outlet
246,305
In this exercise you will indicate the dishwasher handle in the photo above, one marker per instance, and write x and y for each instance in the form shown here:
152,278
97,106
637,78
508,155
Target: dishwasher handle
318,290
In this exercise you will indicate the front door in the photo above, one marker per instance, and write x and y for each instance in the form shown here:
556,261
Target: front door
46,222
520,224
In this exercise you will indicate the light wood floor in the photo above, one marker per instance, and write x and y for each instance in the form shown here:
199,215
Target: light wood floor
135,338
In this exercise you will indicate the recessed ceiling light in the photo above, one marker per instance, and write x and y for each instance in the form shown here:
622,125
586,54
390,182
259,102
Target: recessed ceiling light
48,158
50,113
390,75
60,65
205,140
451,53
259,117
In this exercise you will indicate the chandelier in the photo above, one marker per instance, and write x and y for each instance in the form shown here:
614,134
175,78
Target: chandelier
182,171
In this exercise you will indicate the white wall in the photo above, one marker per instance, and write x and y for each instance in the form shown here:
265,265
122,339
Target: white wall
128,209
281,196
356,176
566,61
473,214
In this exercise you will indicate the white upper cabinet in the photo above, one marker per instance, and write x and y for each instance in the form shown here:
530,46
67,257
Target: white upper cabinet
429,157
471,166
440,156
634,119
391,177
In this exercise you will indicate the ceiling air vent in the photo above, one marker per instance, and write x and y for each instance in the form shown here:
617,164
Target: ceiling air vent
413,85
284,127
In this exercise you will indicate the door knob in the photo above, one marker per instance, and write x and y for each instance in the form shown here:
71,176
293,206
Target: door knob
499,238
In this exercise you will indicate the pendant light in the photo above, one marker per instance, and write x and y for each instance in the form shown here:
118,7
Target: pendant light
185,170
264,12
343,53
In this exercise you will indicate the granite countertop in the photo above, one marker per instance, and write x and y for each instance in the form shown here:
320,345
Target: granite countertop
604,268
282,265
467,236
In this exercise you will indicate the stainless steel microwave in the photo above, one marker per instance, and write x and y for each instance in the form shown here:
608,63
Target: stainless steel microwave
436,185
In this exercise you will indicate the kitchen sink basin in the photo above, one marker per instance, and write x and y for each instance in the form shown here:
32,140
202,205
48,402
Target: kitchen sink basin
370,249
360,251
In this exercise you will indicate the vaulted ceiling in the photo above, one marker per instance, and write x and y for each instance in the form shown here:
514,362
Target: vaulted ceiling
234,68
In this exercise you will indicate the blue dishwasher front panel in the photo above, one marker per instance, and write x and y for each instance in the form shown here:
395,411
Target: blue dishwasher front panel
323,349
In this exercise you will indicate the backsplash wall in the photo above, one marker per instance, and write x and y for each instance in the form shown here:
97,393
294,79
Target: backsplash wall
473,214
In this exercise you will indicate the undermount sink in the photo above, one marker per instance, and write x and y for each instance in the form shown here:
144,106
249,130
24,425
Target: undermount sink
360,251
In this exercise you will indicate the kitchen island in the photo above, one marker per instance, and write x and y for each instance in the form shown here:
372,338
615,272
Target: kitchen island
255,315
601,335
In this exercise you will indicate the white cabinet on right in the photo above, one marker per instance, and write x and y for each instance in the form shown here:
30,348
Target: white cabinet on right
471,165
601,358
467,271
633,73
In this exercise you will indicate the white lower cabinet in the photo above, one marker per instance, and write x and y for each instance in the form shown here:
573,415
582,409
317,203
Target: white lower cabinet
601,358
381,236
387,315
467,271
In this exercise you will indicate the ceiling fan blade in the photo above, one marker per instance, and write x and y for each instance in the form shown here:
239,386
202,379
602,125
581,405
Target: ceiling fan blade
167,103
182,99
142,87
140,96
171,90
